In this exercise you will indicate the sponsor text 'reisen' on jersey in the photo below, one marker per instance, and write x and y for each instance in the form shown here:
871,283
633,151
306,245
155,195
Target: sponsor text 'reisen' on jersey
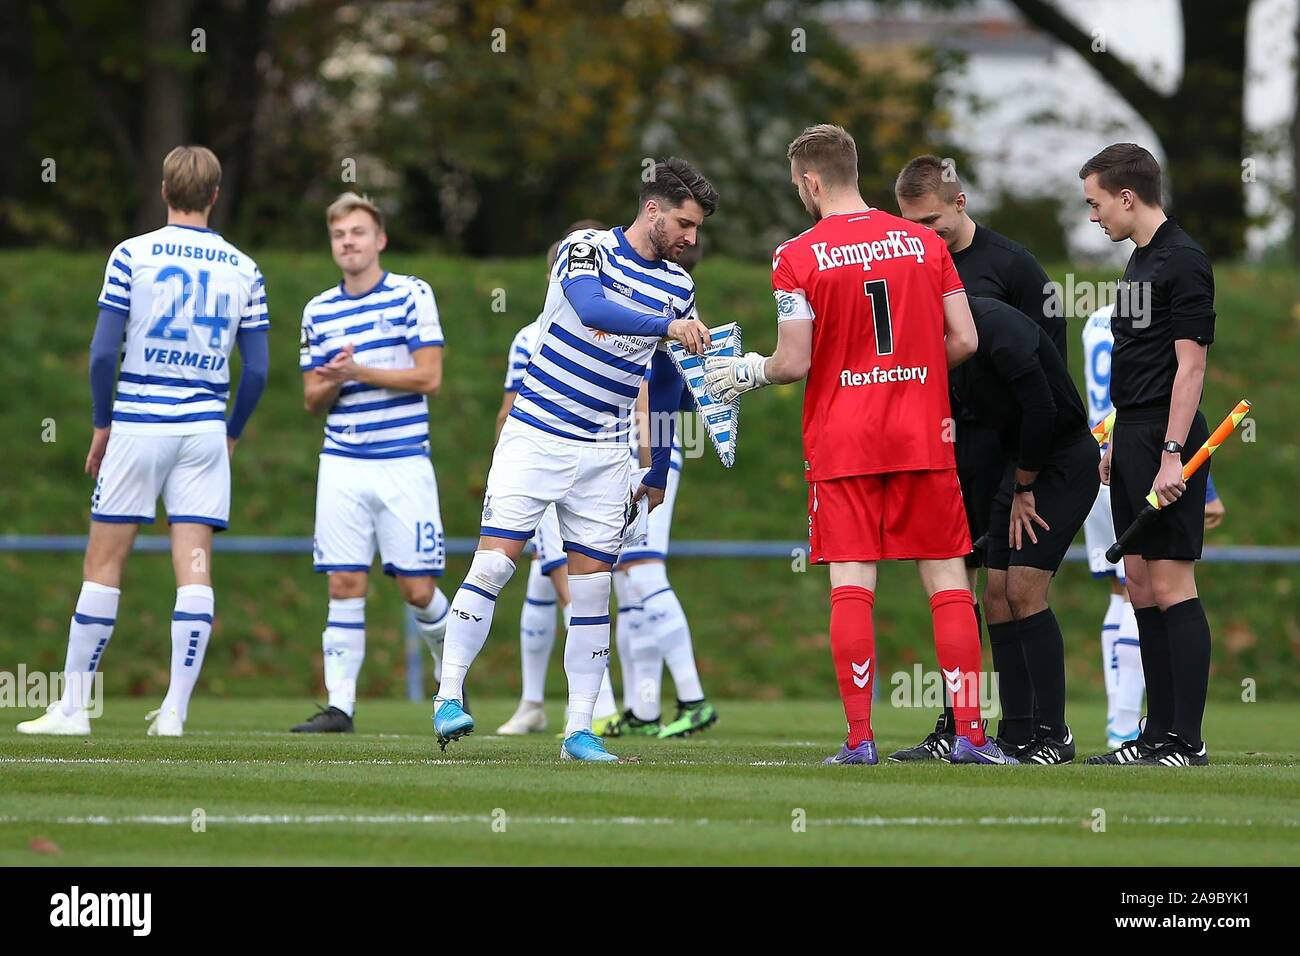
580,383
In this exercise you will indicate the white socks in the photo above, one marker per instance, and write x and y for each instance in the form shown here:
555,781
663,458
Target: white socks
663,616
191,629
586,650
471,619
431,621
536,632
1130,684
88,635
628,610
605,706
1109,665
344,642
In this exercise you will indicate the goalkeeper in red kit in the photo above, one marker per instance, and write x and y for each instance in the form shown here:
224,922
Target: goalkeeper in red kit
872,312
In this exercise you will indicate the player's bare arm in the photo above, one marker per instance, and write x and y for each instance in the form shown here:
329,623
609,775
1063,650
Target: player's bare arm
1188,382
643,428
425,378
98,445
692,333
960,338
1024,512
319,392
507,403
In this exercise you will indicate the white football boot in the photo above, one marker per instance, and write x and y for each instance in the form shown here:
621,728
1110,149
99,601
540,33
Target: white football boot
165,724
528,718
55,721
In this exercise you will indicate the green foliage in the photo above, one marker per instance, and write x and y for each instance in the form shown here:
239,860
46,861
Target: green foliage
486,128
761,629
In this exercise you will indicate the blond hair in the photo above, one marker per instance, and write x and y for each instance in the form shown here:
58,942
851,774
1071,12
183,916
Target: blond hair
191,175
827,150
926,176
350,202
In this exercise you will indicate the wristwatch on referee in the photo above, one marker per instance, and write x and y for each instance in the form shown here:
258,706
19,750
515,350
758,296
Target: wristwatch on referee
1022,489
1172,447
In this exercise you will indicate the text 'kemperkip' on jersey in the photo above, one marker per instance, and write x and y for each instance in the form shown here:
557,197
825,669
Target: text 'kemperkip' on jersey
581,382
186,293
386,326
877,394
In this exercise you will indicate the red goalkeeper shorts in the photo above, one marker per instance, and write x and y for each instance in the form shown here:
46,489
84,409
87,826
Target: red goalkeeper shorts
902,515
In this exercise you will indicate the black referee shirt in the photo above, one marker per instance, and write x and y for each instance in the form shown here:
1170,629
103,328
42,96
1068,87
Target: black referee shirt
995,267
1167,294
1017,383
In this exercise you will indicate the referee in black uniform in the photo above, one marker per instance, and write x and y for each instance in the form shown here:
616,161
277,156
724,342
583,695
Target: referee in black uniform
1018,385
929,192
1163,325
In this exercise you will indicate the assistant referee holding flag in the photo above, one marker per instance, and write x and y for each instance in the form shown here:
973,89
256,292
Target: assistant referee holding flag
1163,325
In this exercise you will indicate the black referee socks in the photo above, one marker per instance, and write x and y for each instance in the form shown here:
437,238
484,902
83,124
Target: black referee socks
1015,690
1153,639
1188,632
1044,656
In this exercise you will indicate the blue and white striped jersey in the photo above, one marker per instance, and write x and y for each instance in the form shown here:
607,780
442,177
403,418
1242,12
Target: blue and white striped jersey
186,293
1097,345
521,350
581,382
385,326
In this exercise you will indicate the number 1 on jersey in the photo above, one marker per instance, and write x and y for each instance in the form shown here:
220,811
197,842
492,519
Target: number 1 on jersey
878,293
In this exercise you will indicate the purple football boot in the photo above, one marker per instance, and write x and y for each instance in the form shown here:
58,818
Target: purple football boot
864,752
989,753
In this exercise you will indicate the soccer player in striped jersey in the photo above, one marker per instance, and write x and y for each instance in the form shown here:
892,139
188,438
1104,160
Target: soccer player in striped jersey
613,296
371,357
174,304
548,579
652,628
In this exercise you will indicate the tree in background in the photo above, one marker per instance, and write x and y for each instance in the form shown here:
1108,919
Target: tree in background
483,127
1201,123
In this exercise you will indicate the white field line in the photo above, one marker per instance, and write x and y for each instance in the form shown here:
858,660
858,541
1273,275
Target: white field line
486,819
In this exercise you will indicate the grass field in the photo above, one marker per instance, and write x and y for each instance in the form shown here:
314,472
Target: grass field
761,627
730,796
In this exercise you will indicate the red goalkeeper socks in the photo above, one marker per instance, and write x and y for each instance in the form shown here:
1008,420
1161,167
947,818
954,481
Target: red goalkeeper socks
853,648
957,645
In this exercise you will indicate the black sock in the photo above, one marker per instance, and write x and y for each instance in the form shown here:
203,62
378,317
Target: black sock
1015,692
1189,660
1153,641
1044,651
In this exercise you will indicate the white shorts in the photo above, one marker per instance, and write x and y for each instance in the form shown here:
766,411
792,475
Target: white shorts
191,472
586,481
548,546
392,502
659,527
1098,535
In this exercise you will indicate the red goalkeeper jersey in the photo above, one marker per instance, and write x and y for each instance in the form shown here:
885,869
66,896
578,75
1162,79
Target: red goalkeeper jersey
877,393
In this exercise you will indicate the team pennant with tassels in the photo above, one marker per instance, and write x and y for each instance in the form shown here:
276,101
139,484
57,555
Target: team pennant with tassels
722,421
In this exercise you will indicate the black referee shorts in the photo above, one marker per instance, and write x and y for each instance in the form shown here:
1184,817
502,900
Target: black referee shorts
1064,492
980,464
1178,532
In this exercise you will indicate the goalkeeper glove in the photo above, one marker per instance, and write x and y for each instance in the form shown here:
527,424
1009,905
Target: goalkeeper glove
727,378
